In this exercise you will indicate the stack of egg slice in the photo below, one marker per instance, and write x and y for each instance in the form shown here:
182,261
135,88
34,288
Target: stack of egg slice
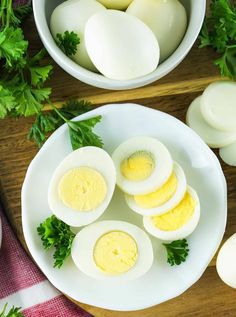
213,117
155,186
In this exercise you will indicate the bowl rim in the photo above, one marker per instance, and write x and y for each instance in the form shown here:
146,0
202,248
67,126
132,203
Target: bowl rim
101,81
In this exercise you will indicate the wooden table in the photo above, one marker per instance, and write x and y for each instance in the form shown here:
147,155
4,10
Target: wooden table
172,94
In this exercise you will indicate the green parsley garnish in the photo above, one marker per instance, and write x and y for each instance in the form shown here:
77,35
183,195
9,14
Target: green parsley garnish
55,233
68,42
13,312
177,251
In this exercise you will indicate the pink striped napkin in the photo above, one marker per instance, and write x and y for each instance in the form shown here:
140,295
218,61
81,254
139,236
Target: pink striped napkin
23,285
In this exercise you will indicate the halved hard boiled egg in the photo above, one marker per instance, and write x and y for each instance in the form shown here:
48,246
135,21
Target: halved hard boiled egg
163,199
82,186
179,222
112,250
143,165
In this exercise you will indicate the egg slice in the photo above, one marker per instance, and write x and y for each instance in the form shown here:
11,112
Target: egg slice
179,222
121,46
213,137
228,154
226,262
143,164
166,18
115,4
218,105
164,198
82,186
72,15
112,250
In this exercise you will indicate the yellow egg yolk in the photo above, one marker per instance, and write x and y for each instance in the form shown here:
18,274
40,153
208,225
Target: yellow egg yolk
176,217
115,252
82,189
160,196
137,167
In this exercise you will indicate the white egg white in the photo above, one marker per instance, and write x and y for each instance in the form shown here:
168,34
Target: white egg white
171,203
92,157
121,46
161,173
84,243
115,4
228,154
180,233
72,15
218,105
213,137
226,262
166,18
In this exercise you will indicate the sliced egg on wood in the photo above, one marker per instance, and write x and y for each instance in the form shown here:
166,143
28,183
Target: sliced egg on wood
114,250
213,137
166,18
82,186
162,199
179,222
115,4
72,15
218,105
121,46
228,154
143,164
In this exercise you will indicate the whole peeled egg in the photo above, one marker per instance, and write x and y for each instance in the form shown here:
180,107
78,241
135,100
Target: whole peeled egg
226,262
121,46
82,186
115,4
166,18
72,15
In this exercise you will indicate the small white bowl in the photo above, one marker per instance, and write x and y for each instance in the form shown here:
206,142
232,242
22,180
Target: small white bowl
43,10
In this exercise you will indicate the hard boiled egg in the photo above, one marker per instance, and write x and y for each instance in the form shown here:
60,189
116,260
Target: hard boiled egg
166,18
213,137
143,164
72,15
121,46
82,186
228,154
179,222
115,4
112,250
164,198
226,262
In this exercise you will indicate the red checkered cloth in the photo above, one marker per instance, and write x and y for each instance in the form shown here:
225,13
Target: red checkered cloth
22,284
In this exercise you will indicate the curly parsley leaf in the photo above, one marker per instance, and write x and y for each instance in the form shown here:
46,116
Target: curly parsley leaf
68,42
177,251
22,12
7,102
55,233
13,312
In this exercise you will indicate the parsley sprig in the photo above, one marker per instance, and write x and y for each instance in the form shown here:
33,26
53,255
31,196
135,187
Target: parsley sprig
68,42
219,32
55,233
177,251
13,312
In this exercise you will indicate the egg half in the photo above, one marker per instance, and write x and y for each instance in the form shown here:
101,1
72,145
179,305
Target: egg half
82,186
143,164
162,199
114,250
179,222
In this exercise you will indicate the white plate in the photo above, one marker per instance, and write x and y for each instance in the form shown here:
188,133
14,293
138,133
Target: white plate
162,282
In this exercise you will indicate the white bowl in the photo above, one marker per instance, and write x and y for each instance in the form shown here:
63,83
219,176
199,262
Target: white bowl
162,282
43,10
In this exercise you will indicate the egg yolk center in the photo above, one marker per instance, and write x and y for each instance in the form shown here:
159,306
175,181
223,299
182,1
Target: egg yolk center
82,189
176,217
115,252
159,196
137,167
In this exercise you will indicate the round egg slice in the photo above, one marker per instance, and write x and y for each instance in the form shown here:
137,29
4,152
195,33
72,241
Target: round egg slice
179,222
164,198
143,164
213,137
121,46
114,250
228,154
115,4
82,186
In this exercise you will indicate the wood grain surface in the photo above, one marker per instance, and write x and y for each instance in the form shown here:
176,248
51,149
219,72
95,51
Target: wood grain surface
172,94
